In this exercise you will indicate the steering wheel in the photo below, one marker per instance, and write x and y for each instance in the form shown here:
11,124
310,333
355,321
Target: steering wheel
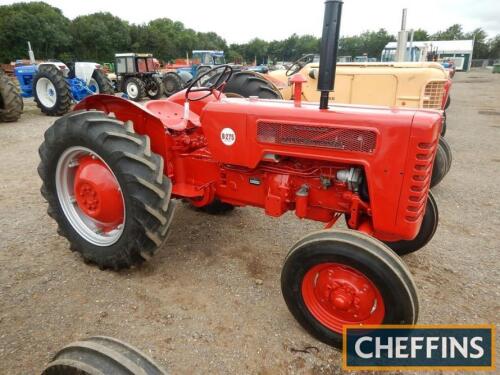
223,77
299,64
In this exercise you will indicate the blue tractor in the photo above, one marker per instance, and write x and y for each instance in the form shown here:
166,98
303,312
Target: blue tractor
55,85
202,62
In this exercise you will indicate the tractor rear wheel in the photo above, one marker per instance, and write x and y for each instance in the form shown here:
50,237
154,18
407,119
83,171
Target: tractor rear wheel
105,189
172,83
442,162
135,89
101,355
336,277
426,232
248,84
103,83
154,88
11,102
51,91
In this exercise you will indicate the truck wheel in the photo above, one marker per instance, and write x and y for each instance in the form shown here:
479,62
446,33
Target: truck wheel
249,84
11,102
172,83
135,89
101,355
51,91
102,83
426,232
105,189
336,277
441,164
154,88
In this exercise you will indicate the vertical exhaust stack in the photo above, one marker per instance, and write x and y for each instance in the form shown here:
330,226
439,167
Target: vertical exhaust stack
329,47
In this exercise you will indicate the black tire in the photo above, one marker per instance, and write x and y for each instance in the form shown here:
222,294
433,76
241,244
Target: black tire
140,89
217,207
11,102
172,83
448,102
101,355
104,83
443,125
441,164
358,251
62,91
447,149
426,232
139,172
154,88
248,84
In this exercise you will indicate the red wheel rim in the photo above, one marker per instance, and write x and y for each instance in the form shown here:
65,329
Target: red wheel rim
337,295
98,193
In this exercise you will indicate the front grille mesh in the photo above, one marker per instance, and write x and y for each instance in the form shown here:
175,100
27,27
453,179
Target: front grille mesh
433,95
420,180
359,140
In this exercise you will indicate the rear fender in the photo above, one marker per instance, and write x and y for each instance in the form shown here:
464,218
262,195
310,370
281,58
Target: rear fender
144,121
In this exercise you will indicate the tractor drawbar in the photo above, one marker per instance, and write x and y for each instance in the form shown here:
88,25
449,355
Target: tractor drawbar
329,47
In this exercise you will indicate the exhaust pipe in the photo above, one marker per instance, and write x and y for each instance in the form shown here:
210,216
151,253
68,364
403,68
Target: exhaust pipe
329,47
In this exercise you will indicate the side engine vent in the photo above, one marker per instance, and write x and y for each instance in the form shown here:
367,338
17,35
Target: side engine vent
433,94
420,180
317,136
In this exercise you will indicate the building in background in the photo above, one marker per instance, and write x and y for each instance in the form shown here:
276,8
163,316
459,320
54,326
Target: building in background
458,51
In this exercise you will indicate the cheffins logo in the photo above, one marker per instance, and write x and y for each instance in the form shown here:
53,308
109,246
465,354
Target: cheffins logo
433,347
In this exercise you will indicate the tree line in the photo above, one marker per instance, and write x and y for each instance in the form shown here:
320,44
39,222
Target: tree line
99,36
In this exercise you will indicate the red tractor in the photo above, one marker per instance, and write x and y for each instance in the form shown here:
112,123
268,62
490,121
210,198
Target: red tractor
112,171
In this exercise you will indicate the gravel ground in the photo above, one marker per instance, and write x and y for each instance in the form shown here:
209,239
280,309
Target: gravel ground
210,301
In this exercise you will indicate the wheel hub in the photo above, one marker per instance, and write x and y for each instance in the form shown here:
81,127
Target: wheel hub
97,192
336,295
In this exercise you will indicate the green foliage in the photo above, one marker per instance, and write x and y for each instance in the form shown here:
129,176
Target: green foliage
421,35
454,32
98,36
495,47
370,42
44,26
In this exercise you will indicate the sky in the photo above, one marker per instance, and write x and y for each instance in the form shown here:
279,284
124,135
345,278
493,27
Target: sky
240,21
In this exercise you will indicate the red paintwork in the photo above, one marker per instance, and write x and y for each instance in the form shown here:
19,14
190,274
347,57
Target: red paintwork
396,150
98,193
297,81
336,295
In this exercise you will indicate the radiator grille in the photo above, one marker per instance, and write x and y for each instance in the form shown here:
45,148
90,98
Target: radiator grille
420,180
317,136
433,95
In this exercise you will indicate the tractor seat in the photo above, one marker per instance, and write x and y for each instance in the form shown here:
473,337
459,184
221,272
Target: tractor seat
171,114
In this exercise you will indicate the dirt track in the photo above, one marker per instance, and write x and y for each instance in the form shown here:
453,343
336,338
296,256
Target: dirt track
210,301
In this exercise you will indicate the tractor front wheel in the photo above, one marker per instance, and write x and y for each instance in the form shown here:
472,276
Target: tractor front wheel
51,90
135,89
105,189
336,277
425,234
